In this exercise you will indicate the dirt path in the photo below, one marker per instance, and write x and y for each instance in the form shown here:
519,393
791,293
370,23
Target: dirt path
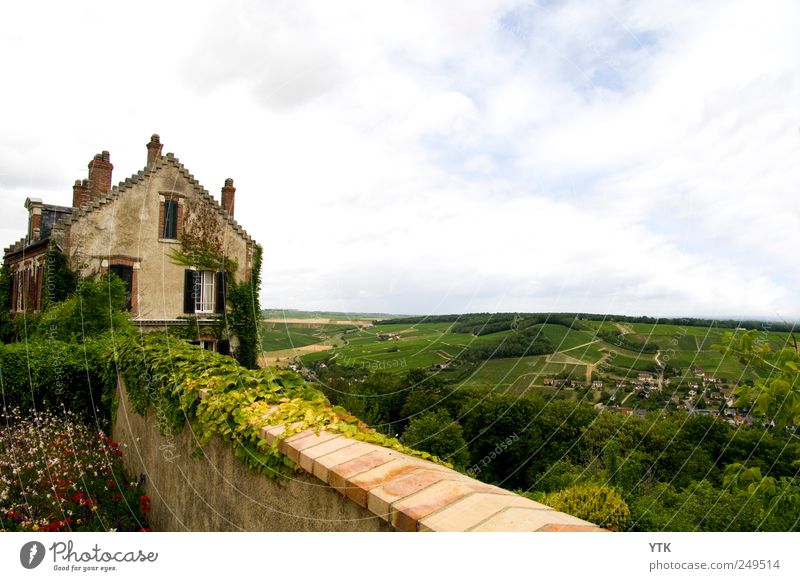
273,358
579,346
624,329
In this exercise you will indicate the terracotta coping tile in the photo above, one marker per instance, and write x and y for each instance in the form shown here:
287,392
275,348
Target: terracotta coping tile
324,464
526,519
472,510
406,512
292,445
271,433
361,484
339,476
381,498
311,453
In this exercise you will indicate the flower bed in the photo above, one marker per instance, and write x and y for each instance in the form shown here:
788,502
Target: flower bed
58,474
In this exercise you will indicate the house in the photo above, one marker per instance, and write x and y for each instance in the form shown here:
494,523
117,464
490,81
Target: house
174,246
388,337
549,381
597,384
645,376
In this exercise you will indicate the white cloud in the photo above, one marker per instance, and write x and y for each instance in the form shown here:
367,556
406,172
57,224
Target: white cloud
408,157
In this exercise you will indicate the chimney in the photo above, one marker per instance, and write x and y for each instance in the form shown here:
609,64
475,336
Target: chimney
80,193
153,150
34,207
100,169
228,193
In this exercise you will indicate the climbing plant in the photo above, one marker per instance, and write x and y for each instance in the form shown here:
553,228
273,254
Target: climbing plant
217,396
245,313
7,331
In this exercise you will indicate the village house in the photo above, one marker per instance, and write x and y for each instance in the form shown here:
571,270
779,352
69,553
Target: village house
173,245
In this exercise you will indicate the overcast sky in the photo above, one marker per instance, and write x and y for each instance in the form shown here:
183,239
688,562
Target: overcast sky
419,157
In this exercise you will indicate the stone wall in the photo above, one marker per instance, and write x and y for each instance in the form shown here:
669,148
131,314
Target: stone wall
342,485
215,491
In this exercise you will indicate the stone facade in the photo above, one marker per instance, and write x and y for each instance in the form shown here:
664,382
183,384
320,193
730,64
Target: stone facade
135,230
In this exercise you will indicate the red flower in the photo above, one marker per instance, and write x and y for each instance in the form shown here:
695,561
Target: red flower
144,530
144,503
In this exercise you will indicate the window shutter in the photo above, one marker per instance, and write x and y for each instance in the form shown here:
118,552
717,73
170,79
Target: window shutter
189,285
222,291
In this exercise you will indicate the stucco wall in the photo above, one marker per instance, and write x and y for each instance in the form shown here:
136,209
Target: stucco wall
215,491
129,226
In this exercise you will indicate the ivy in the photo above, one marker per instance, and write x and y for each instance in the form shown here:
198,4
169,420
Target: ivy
219,397
245,311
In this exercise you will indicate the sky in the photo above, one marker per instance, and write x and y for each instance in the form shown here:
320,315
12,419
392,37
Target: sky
605,156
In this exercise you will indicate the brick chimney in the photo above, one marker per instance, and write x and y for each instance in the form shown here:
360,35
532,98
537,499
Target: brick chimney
228,193
34,207
80,193
100,169
153,150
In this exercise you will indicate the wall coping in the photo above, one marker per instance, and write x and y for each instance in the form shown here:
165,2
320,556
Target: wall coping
410,493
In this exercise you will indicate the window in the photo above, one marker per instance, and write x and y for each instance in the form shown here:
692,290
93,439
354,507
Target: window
125,273
170,220
204,292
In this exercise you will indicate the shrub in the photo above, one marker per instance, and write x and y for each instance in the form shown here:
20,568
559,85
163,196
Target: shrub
96,307
47,374
601,505
57,474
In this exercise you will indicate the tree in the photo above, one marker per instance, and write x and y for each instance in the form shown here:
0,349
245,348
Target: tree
775,397
437,433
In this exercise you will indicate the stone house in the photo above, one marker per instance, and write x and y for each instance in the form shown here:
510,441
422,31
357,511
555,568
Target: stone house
159,230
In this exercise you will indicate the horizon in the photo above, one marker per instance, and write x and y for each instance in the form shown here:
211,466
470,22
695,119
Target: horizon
741,319
486,156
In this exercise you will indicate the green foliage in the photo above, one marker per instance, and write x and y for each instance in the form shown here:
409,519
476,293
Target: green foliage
776,395
169,376
437,433
245,311
7,329
601,505
96,307
59,281
47,374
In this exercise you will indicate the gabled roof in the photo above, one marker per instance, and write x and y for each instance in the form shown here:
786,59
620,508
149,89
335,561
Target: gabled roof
165,160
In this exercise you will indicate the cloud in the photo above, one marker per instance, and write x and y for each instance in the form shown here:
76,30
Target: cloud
624,156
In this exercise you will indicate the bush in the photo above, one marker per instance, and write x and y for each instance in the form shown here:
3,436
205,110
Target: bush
47,374
601,505
96,307
57,474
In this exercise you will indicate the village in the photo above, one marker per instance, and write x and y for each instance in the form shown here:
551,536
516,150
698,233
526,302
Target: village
697,393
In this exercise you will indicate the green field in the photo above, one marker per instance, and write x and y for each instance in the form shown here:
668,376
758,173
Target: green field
279,336
580,354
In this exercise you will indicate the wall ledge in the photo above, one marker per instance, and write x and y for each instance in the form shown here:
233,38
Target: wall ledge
412,494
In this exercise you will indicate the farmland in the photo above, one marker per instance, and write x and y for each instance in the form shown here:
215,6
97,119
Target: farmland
589,350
